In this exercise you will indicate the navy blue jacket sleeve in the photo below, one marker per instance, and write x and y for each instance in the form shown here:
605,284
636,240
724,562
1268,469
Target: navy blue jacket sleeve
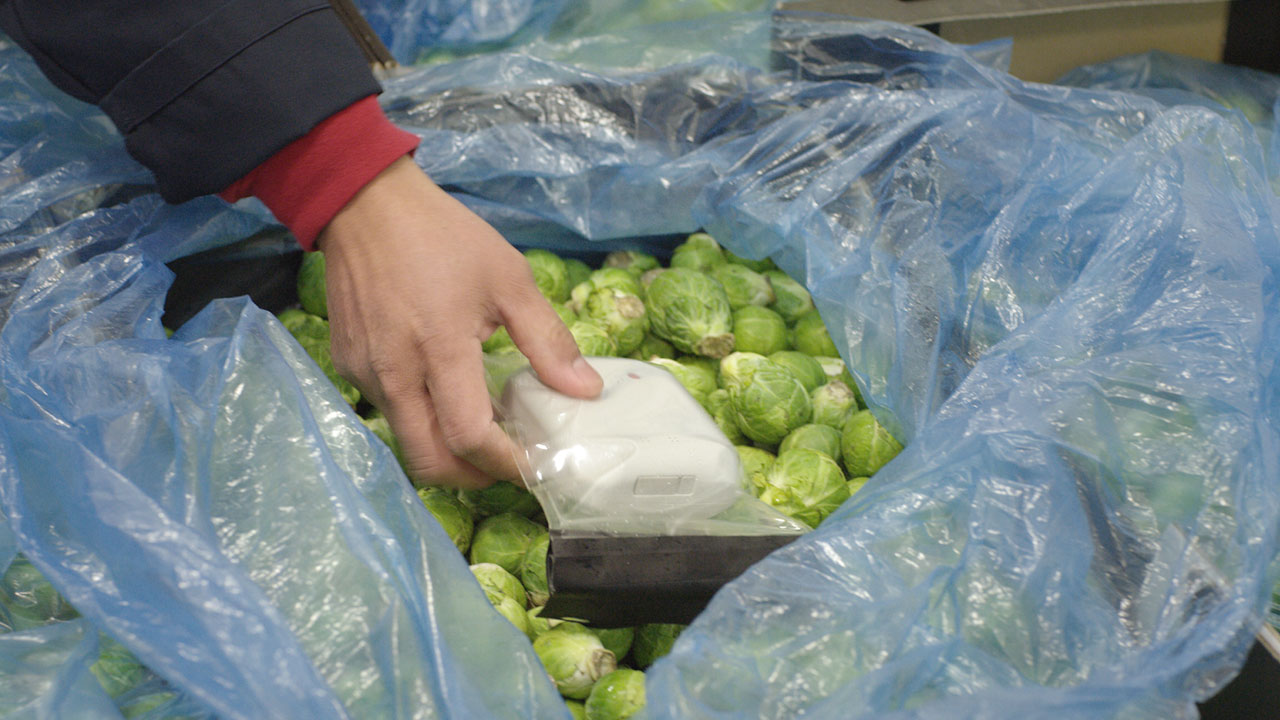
203,91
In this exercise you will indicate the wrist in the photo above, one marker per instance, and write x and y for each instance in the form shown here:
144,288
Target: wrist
396,189
308,182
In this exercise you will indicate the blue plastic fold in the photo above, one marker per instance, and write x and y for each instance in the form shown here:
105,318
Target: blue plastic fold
46,673
1178,79
418,31
1063,299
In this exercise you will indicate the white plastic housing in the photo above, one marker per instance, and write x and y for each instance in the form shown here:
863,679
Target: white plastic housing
642,454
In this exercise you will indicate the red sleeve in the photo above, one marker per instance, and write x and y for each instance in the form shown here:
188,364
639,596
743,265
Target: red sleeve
309,180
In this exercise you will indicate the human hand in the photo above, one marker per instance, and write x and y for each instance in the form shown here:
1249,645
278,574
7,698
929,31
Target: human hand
415,282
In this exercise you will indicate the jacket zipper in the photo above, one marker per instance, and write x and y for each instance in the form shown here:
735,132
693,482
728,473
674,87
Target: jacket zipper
379,57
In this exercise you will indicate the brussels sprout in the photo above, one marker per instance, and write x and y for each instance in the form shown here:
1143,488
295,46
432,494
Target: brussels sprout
451,513
855,484
758,265
791,300
593,339
759,330
633,261
689,309
721,409
147,705
823,438
809,336
647,278
577,271
738,370
615,640
833,403
756,463
699,381
835,369
652,641
497,583
710,365
567,314
29,598
312,333
652,347
311,286
117,669
618,280
616,696
499,366
503,540
575,660
568,625
533,569
510,608
699,252
577,710
536,623
498,340
866,445
539,624
622,315
604,278
743,286
378,425
295,321
806,485
549,273
806,369
1253,111
498,498
768,401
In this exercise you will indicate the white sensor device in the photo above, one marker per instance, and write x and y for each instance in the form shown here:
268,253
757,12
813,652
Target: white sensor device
644,450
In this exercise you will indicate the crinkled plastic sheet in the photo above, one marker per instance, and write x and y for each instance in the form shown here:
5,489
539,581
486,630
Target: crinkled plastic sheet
46,673
1178,79
1063,299
214,504
1171,79
434,30
558,144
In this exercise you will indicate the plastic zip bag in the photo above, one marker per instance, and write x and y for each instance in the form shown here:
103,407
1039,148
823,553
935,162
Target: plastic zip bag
643,458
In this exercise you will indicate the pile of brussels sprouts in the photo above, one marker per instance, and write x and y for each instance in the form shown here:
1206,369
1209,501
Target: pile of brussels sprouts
743,338
746,341
28,600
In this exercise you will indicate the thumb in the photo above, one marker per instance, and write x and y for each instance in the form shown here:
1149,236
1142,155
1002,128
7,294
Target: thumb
543,338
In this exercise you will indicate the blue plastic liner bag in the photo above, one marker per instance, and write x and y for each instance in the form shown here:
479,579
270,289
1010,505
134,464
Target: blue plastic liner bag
1177,79
429,31
1063,300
